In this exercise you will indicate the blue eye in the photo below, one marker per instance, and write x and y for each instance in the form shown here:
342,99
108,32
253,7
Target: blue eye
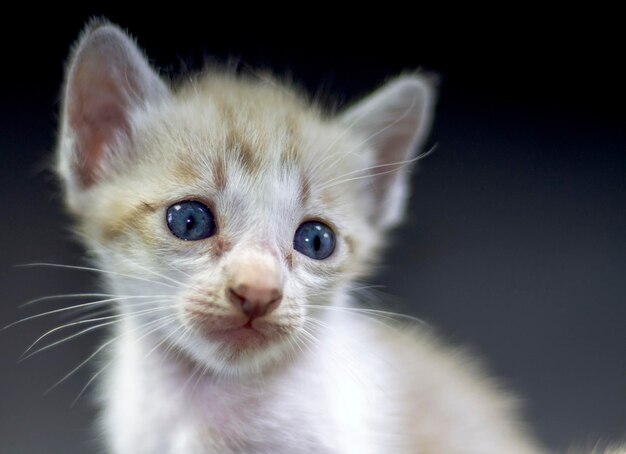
191,221
314,239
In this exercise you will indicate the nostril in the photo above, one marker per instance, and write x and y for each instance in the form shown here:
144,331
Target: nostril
252,301
234,297
247,307
274,295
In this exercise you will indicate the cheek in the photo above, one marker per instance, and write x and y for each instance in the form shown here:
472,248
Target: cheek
291,312
206,308
205,292
313,278
150,310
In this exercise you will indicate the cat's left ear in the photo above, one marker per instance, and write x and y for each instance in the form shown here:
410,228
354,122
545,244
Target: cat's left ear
108,81
395,121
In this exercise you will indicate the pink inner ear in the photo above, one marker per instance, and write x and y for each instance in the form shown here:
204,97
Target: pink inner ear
394,150
98,114
107,81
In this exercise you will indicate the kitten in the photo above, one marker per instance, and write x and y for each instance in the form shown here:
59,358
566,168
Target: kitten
232,217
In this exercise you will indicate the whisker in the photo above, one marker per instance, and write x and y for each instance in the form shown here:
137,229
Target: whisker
92,313
291,344
197,368
375,297
93,309
204,370
308,342
400,165
351,289
155,273
179,340
26,355
370,317
176,268
68,296
383,314
90,381
97,270
168,319
144,268
78,306
116,318
107,365
165,339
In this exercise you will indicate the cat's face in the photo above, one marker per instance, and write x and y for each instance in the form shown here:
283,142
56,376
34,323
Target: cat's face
229,209
216,205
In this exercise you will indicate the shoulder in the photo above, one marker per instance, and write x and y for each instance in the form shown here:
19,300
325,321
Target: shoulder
445,392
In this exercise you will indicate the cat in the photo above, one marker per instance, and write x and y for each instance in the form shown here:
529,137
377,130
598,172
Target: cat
231,217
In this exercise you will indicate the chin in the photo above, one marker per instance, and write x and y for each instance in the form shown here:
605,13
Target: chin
242,352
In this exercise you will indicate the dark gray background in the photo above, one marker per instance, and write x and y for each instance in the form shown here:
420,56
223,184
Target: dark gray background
516,239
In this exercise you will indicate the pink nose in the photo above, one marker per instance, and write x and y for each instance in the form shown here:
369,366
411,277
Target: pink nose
255,300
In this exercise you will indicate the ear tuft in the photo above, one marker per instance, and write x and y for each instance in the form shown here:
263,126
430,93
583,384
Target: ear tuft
395,121
108,78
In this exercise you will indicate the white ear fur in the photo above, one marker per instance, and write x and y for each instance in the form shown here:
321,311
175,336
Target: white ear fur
108,78
394,120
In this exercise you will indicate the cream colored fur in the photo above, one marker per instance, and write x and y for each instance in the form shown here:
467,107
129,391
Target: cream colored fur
326,379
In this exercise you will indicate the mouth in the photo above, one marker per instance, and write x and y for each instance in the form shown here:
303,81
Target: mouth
244,337
236,334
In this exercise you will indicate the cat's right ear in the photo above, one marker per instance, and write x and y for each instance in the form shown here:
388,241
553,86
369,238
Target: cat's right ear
108,80
395,121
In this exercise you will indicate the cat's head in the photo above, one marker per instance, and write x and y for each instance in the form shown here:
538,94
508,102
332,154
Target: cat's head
224,209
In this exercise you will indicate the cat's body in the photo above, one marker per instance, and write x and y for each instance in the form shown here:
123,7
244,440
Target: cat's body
364,389
231,217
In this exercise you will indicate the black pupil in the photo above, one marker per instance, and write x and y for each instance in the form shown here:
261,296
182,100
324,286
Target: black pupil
315,240
317,243
190,222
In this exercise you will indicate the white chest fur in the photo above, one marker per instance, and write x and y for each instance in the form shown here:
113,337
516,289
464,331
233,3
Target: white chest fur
328,400
363,389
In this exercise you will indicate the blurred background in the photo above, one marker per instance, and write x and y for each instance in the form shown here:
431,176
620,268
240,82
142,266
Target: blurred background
516,239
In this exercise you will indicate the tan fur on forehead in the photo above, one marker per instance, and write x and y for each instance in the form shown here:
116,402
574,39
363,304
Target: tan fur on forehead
241,94
251,121
221,123
222,126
